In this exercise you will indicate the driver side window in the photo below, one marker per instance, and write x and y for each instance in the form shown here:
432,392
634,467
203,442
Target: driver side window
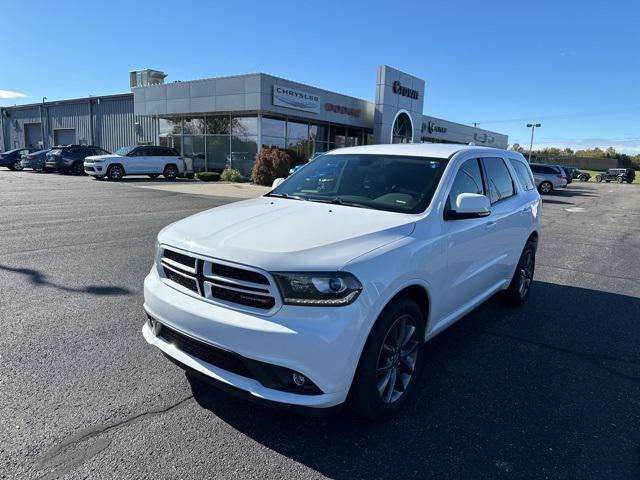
468,180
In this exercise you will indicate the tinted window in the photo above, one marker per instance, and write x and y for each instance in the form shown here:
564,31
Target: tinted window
545,169
381,182
468,180
523,174
100,151
499,179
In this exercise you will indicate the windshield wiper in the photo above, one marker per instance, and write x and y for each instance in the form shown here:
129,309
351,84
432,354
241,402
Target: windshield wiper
285,195
338,201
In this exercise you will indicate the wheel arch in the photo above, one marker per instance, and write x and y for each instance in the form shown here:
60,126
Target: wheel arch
124,171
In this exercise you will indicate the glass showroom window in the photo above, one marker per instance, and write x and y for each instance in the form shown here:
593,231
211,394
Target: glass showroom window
318,138
220,125
218,148
273,127
193,148
193,126
298,141
243,153
170,126
244,126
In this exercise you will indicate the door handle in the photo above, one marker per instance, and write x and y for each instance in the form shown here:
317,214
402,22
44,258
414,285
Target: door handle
490,223
525,210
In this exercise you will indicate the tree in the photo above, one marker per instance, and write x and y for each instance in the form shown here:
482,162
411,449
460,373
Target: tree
271,163
516,147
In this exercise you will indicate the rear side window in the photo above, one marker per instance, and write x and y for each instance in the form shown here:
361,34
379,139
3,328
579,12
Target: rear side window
523,174
543,169
499,181
468,180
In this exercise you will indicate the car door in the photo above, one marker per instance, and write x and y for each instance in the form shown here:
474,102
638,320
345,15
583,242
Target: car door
157,160
134,162
471,258
505,229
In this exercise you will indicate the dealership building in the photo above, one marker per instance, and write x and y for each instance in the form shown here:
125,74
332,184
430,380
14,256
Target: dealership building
224,121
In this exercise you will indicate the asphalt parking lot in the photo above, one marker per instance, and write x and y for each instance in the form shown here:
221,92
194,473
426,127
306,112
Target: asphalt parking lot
549,390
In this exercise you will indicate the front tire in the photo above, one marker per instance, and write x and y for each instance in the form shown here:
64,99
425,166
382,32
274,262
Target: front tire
78,168
390,361
583,178
115,172
170,172
17,166
518,290
545,187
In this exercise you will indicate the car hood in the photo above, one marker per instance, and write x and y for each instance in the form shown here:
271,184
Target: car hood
285,234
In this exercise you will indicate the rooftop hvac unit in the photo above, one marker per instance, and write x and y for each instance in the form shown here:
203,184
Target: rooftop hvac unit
142,78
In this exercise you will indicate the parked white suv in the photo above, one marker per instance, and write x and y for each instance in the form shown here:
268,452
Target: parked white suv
324,290
148,160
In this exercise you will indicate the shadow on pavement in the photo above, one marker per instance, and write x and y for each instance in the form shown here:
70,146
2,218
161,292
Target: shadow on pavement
547,390
38,278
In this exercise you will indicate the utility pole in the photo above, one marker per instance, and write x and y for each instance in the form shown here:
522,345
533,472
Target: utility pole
532,126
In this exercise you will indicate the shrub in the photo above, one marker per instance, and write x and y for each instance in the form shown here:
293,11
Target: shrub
208,176
231,175
271,163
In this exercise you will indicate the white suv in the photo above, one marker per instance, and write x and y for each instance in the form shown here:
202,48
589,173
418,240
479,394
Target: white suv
325,290
148,160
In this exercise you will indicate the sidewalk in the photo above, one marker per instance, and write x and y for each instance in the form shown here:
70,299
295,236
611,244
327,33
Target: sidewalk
213,189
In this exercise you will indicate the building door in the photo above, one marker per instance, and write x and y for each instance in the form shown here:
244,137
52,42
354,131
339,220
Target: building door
32,135
64,136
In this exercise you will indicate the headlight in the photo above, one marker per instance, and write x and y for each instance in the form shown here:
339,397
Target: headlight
318,288
97,160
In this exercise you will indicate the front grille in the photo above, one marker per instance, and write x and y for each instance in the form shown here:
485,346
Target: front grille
218,357
90,169
180,258
220,282
239,274
180,279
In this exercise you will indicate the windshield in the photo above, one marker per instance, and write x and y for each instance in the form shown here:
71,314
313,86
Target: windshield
124,151
381,182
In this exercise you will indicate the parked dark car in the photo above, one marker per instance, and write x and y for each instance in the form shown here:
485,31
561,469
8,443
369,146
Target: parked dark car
35,160
70,158
11,159
580,175
567,173
619,175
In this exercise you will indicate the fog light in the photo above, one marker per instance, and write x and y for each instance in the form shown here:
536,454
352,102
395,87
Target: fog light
298,379
155,326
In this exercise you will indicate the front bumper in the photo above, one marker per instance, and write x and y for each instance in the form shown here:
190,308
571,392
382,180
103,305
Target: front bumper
321,343
34,164
95,169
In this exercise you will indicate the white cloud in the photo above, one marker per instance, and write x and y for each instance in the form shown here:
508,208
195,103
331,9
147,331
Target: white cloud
10,94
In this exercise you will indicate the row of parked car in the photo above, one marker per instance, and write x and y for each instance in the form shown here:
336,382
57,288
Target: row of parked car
550,177
148,160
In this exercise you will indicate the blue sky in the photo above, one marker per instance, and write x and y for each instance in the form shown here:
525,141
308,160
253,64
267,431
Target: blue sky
572,65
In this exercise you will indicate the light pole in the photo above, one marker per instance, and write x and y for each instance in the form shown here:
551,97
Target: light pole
532,126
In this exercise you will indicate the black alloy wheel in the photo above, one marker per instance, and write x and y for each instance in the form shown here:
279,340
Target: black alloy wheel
115,172
170,172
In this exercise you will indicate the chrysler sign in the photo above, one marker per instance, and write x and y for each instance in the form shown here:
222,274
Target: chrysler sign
292,98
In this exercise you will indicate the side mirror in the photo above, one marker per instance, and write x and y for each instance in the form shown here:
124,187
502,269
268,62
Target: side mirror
469,205
277,182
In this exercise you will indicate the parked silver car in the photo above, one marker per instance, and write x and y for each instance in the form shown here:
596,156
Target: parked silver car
548,177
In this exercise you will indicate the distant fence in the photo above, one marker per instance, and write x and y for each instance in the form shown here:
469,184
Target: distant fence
586,163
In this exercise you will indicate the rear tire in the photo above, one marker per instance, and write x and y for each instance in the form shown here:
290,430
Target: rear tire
78,168
598,178
390,362
115,172
583,178
518,290
545,187
170,172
